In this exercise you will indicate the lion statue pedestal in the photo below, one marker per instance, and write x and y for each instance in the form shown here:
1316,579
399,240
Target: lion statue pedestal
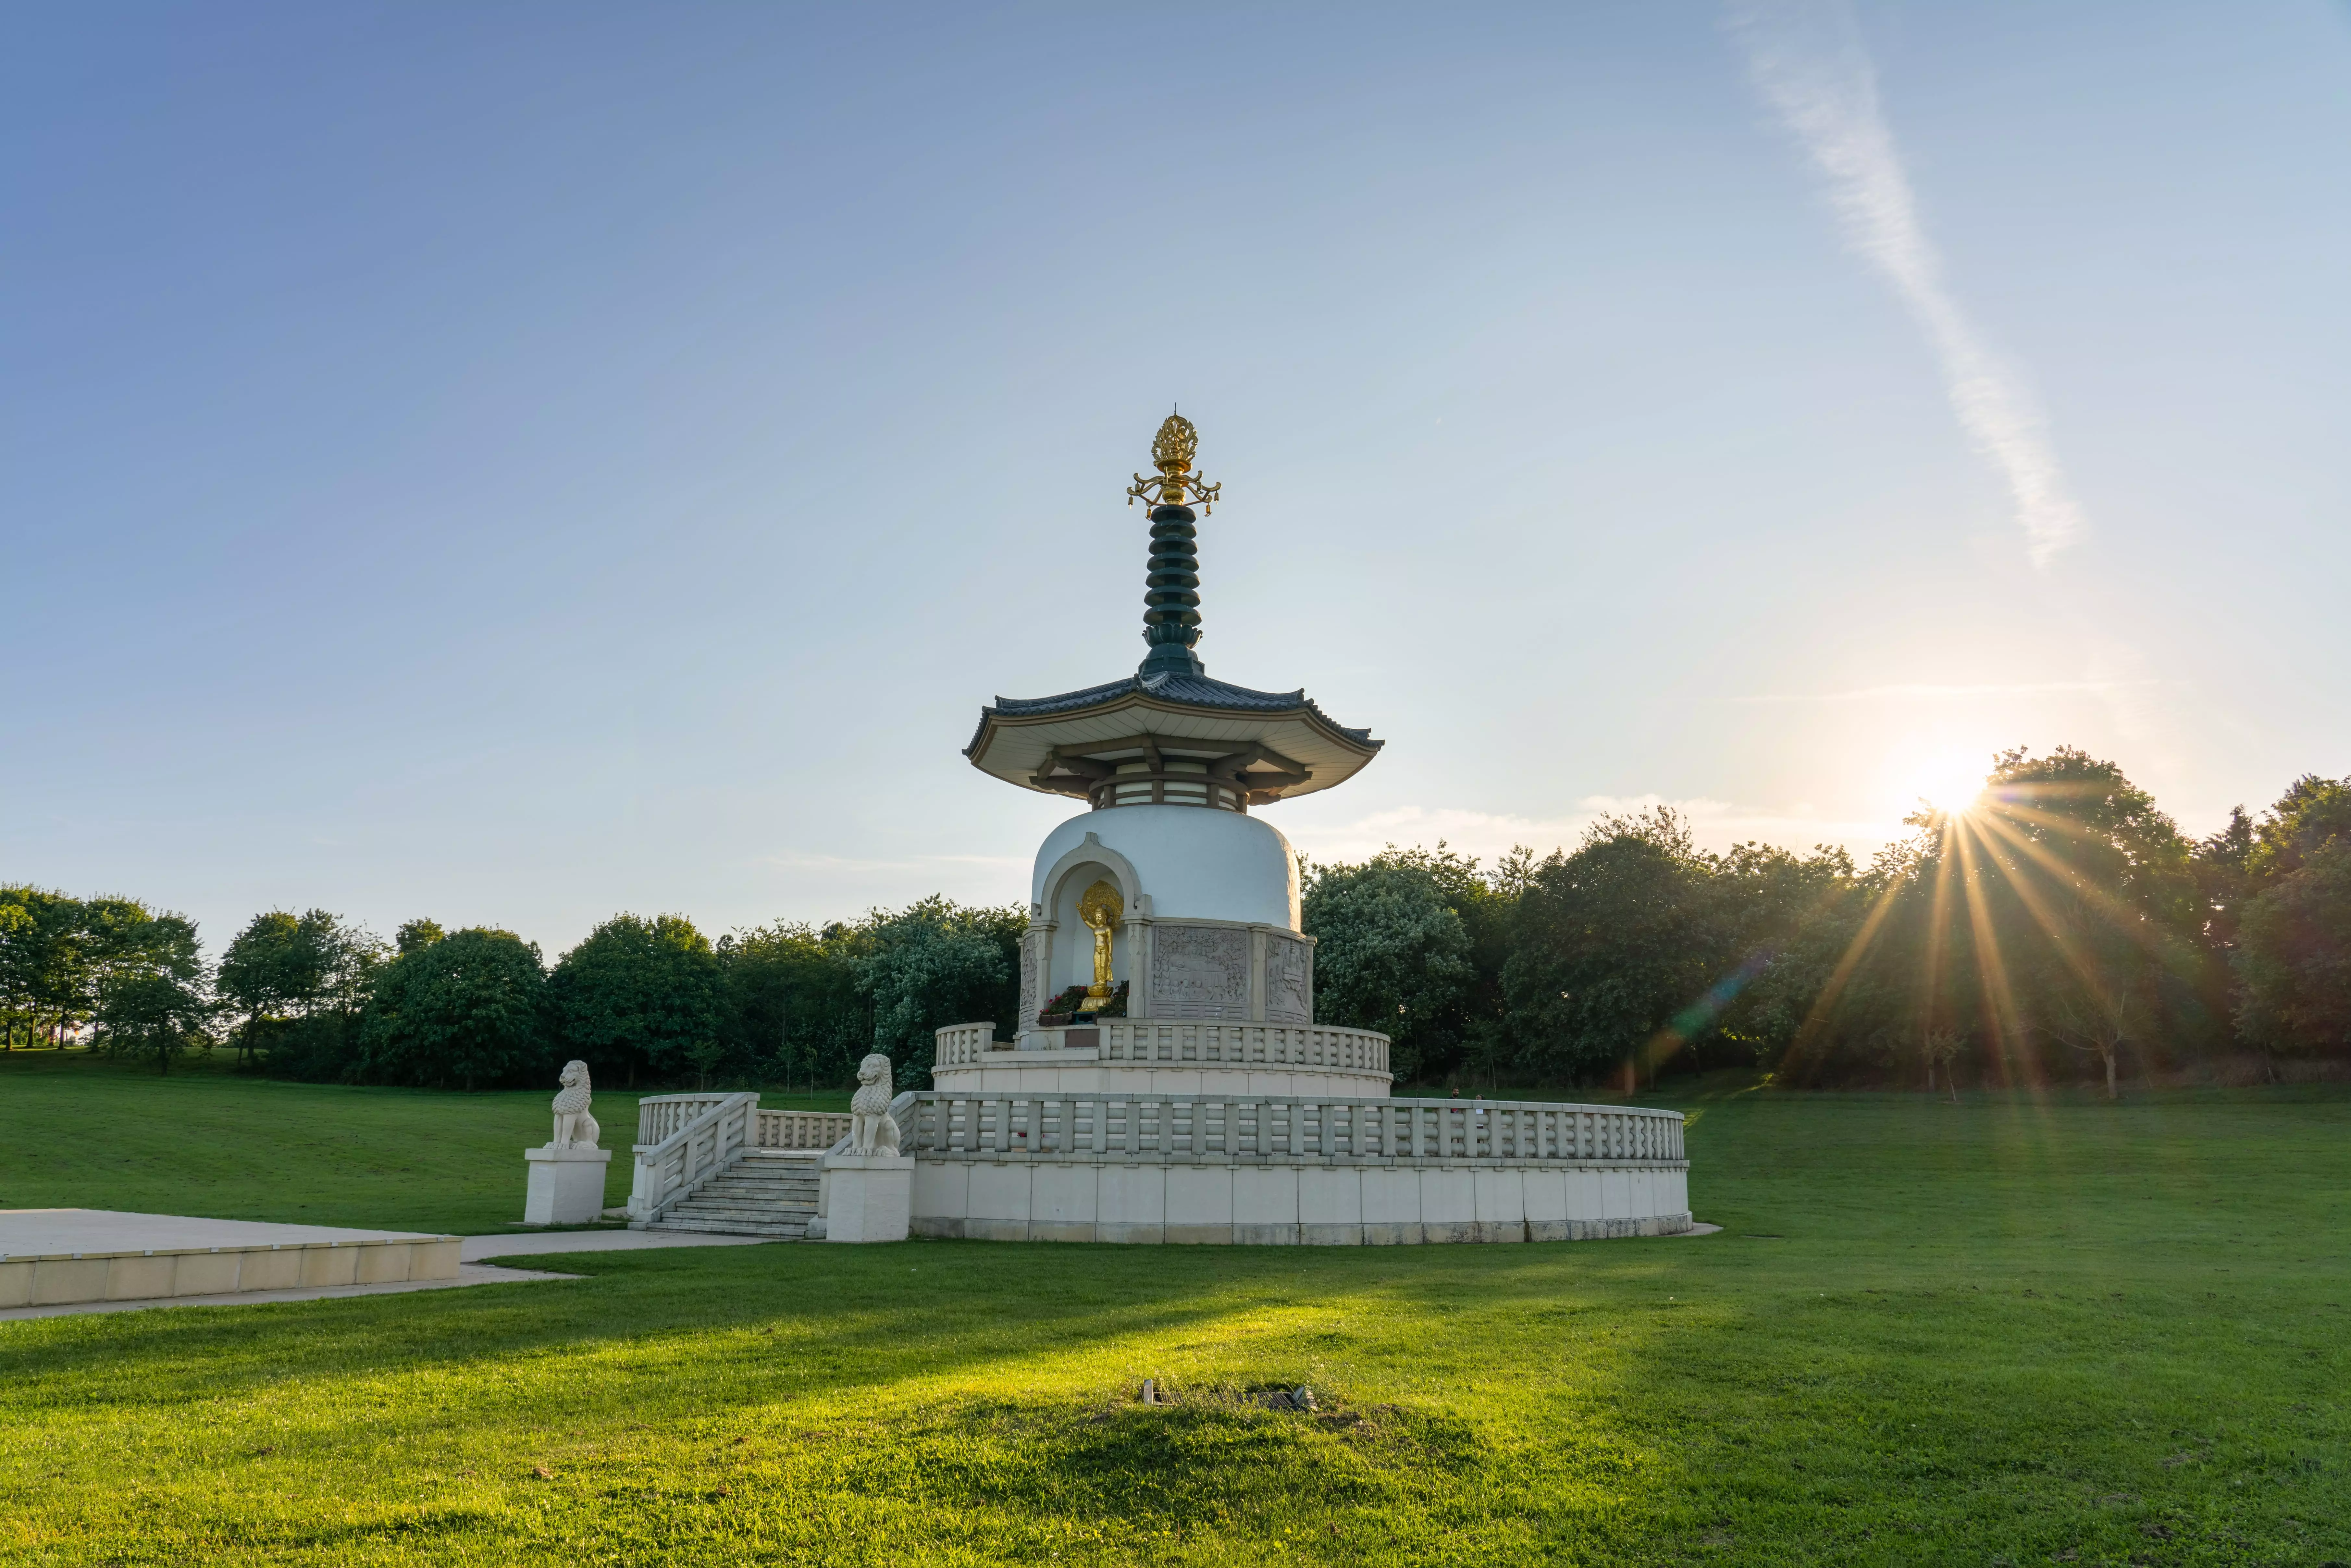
567,1175
869,1189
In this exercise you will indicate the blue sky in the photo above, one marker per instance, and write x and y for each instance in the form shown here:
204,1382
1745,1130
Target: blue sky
516,464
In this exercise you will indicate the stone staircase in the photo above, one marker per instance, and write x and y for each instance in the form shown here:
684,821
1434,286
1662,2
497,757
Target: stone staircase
767,1192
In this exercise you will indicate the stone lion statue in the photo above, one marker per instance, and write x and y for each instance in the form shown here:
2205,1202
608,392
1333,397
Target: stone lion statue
872,1129
574,1127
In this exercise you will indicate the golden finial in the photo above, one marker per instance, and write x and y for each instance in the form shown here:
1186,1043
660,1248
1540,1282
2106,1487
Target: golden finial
1172,451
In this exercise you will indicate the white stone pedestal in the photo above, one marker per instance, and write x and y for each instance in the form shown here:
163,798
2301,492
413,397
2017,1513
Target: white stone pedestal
566,1186
868,1198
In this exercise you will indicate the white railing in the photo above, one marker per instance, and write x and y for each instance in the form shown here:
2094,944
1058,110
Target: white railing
963,1044
659,1115
818,1129
1323,1046
1332,1049
672,1169
1185,1129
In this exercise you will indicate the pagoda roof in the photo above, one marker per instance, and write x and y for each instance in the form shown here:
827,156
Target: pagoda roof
1275,744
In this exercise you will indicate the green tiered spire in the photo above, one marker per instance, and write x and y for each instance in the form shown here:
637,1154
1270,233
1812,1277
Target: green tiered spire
1171,615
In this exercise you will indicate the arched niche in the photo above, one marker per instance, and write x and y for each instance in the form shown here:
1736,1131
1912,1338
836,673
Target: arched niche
1065,883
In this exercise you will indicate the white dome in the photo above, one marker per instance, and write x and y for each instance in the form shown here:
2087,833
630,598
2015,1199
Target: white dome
1192,863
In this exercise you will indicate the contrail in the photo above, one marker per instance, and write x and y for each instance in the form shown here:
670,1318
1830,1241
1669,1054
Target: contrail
1807,60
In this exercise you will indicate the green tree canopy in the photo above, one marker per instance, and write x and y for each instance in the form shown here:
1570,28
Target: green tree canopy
466,1011
639,995
152,1015
1392,951
1614,943
149,974
300,982
2314,813
790,1005
415,933
57,954
2294,956
2098,888
935,963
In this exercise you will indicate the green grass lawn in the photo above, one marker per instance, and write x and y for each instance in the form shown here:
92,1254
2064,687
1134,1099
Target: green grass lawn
79,1132
2011,1331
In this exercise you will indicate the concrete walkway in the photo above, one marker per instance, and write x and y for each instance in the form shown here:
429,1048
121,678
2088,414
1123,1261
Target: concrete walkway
473,1249
102,1230
467,1274
30,1232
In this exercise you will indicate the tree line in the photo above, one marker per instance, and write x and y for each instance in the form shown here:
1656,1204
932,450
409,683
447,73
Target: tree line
2059,925
646,1001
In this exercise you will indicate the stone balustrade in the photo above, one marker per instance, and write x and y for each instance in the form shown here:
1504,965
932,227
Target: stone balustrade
659,1115
1177,1129
963,1044
817,1130
1322,1046
713,1137
1322,1168
1189,1042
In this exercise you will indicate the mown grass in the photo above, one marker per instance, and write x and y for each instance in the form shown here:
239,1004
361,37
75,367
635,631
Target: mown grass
2015,1331
83,1132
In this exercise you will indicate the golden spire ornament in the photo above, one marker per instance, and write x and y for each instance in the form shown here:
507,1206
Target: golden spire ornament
1172,452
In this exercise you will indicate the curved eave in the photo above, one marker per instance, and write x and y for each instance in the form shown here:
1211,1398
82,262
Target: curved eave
1015,747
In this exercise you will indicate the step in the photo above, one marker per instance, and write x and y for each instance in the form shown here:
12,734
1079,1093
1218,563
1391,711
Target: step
755,1195
752,1200
786,1231
739,1176
760,1211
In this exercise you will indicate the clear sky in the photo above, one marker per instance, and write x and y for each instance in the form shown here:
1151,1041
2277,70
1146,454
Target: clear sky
516,464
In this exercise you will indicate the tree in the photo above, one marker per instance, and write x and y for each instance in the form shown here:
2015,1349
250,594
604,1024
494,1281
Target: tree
299,981
639,995
466,1009
2314,813
1613,946
2097,889
2294,956
268,973
1940,1048
152,1015
933,964
45,972
415,933
789,1005
150,1000
19,934
1785,923
1392,952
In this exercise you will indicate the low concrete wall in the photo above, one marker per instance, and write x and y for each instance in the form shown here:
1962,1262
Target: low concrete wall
56,1278
1313,1204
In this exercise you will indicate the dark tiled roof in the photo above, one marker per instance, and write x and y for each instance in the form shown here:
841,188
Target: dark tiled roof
1183,690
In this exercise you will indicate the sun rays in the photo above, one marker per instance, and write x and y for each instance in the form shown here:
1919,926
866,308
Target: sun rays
2025,917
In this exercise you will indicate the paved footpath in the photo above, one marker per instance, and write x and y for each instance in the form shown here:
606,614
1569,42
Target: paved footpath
475,1248
470,1270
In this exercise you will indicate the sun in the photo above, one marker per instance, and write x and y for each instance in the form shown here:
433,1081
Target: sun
1948,781
1944,774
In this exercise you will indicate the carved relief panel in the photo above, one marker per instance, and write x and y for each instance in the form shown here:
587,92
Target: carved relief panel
1288,992
1033,951
1199,971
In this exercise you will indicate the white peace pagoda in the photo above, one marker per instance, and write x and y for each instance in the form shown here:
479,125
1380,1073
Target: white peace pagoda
1163,954
1165,1080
